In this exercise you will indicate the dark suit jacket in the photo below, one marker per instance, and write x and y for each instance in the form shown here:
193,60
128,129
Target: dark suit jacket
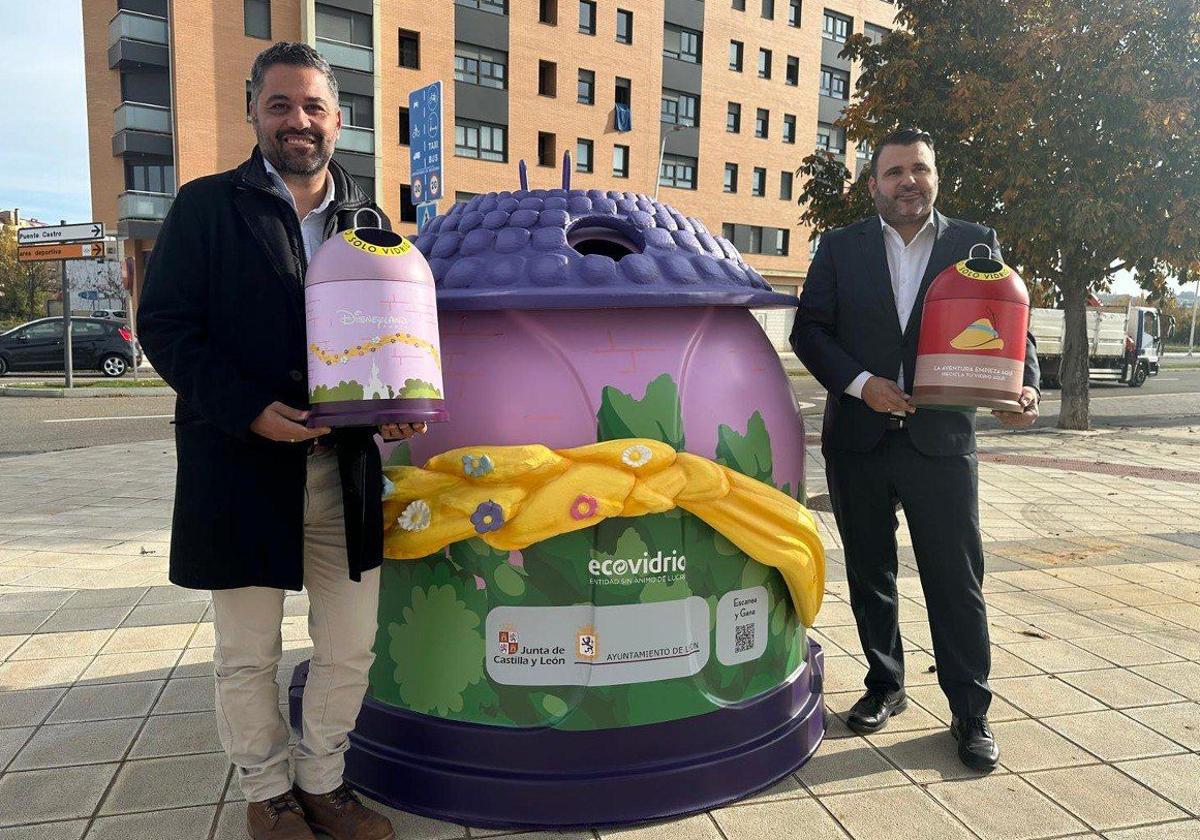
222,319
847,324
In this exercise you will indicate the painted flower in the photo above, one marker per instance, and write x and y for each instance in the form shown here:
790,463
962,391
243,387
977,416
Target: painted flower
584,507
415,517
477,466
487,517
438,625
388,487
637,455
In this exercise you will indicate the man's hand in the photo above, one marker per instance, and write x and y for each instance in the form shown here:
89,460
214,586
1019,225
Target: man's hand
393,432
1021,419
285,424
884,395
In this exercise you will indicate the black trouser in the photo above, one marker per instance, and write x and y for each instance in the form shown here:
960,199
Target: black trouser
940,497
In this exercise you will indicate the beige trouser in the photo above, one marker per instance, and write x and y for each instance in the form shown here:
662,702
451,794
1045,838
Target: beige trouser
249,643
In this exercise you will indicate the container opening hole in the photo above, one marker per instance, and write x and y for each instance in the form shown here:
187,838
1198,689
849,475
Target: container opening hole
379,236
984,265
605,236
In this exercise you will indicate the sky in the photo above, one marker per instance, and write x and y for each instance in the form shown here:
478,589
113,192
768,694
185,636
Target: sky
44,162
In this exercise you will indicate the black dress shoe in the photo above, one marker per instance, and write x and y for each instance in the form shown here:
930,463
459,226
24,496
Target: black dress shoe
873,709
976,744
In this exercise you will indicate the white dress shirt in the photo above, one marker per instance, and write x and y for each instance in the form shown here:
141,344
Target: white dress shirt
312,226
906,265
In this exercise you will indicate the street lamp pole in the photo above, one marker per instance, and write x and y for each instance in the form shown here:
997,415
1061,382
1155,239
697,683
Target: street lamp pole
662,154
1195,303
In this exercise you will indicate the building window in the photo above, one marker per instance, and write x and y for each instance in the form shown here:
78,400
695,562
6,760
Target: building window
410,49
739,5
756,236
679,108
547,148
547,78
150,177
837,27
735,55
792,76
762,123
768,9
727,230
781,237
794,13
484,141
764,64
495,7
758,183
404,127
480,66
875,34
257,18
367,184
789,128
731,172
678,171
583,155
624,26
548,12
249,94
785,186
408,211
733,118
623,92
587,17
813,245
357,110
620,161
342,25
586,92
863,151
830,138
682,44
835,83
463,197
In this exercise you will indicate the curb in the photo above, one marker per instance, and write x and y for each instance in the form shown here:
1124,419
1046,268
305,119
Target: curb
72,393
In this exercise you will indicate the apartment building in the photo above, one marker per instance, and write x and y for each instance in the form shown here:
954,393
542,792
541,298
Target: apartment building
711,104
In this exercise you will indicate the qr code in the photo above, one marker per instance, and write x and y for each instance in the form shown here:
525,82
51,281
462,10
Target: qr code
743,638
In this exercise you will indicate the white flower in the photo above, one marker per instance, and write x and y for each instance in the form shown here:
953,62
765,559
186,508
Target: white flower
637,455
415,517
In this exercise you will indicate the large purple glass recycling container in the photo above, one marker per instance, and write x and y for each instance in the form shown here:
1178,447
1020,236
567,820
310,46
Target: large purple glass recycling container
568,317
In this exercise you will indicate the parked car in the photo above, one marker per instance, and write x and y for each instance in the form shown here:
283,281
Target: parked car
96,343
119,314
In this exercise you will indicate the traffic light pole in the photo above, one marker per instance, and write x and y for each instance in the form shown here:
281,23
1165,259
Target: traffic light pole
66,294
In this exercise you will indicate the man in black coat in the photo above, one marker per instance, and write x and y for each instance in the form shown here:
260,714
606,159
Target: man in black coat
264,504
856,331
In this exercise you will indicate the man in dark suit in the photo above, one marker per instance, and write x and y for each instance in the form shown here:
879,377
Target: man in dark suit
857,330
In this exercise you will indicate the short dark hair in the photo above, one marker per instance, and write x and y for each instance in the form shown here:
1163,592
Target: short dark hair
900,137
295,54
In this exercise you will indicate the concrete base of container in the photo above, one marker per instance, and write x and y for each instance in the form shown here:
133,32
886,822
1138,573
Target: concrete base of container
505,777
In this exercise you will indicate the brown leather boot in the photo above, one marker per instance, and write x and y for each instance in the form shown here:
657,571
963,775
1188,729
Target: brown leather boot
340,815
278,818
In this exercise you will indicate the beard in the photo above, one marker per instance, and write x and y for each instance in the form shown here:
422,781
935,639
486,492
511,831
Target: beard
291,159
908,207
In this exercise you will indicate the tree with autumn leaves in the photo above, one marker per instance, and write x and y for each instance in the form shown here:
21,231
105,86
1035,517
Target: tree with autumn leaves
1071,126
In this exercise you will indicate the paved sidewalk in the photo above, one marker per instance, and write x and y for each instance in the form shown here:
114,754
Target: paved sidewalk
1093,546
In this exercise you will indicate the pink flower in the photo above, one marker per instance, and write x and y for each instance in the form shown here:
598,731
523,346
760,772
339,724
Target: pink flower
584,507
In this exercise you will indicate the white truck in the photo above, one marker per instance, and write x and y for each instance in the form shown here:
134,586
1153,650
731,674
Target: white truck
1124,345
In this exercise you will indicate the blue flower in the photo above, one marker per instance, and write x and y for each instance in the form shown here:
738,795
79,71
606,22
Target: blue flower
477,466
388,487
487,517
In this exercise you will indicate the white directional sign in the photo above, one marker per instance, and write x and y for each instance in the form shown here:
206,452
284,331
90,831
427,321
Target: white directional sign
60,233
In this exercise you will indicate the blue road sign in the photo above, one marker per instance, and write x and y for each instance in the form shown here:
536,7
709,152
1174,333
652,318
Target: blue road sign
425,214
425,143
89,294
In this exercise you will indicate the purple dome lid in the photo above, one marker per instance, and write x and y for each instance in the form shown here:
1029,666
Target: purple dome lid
580,249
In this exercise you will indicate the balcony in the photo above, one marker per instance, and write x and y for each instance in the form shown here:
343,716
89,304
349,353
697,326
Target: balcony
143,205
137,41
140,116
350,56
142,129
356,139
